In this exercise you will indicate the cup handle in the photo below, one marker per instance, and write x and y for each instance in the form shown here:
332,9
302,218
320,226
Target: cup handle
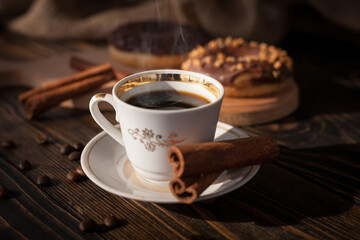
99,118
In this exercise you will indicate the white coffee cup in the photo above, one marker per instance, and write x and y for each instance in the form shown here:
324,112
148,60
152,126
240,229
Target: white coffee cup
147,134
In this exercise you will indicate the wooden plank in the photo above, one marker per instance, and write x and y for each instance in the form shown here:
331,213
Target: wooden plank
262,199
318,131
335,168
35,209
257,110
84,199
8,232
286,199
309,194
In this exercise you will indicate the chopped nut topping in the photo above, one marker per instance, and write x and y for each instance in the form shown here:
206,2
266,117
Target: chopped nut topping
249,58
218,63
193,53
212,45
277,65
232,68
196,63
273,57
212,55
240,59
197,52
186,65
275,74
228,41
207,60
230,59
201,51
237,42
239,66
220,56
219,42
262,55
253,44
263,46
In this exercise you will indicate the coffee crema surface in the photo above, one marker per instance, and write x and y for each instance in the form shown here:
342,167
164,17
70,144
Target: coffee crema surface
167,100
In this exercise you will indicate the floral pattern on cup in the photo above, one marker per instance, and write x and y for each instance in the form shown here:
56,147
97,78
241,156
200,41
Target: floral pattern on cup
150,141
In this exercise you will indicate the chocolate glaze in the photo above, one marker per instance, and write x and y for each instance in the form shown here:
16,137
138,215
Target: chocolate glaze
262,68
160,38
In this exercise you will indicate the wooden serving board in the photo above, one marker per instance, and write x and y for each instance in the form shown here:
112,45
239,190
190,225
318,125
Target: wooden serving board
234,111
248,111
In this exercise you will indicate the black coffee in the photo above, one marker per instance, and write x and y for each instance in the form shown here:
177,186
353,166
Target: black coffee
167,100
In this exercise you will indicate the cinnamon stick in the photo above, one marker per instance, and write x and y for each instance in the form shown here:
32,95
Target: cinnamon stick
81,64
196,166
187,190
40,99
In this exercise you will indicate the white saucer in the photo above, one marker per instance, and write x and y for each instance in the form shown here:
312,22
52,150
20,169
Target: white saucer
104,161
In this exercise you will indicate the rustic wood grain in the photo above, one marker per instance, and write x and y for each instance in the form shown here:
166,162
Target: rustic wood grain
34,208
245,213
48,160
312,192
257,110
335,168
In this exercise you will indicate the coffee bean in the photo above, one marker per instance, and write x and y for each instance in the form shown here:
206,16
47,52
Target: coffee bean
66,149
111,221
88,225
42,140
78,146
43,180
80,171
7,144
24,165
73,176
74,156
3,192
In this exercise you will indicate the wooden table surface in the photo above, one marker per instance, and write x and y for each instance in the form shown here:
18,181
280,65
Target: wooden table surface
312,192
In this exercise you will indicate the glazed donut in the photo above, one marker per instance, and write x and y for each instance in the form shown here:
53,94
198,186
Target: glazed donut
154,44
245,69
